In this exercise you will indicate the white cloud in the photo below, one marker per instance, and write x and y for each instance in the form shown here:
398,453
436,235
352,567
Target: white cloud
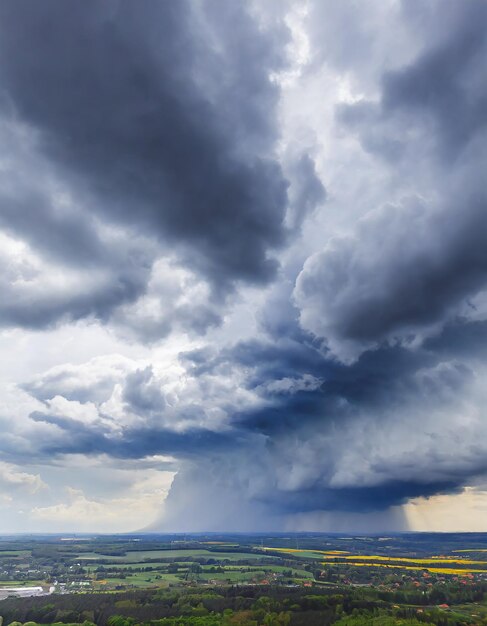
13,479
135,510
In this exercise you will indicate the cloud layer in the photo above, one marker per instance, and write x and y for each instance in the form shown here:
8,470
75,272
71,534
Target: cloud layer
250,250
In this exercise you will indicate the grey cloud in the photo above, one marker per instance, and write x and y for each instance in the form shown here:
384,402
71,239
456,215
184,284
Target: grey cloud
56,233
76,437
276,425
174,298
306,192
34,311
406,269
40,304
372,435
447,82
375,434
351,38
438,99
156,128
461,337
216,493
409,268
93,381
59,265
142,393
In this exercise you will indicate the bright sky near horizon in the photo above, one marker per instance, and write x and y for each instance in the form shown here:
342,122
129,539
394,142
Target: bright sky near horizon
243,272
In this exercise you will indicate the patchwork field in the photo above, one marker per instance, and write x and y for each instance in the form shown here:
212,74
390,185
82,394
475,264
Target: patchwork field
438,564
143,555
408,579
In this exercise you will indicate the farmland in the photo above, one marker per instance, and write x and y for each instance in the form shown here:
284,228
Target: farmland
406,577
438,564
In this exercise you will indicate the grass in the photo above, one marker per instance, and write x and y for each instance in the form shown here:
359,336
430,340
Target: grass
157,578
275,568
21,583
130,566
475,609
139,580
232,573
63,624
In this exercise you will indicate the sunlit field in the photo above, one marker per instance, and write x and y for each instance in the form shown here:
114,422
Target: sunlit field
438,564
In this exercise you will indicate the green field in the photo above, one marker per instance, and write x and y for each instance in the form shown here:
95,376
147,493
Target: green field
232,574
140,580
21,583
143,555
305,554
269,568
128,566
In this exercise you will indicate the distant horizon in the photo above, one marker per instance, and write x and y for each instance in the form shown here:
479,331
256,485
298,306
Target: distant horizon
249,534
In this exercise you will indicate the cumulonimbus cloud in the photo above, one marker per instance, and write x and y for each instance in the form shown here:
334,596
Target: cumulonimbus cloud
354,383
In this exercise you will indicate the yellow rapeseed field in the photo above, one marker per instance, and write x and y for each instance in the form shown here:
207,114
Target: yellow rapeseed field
432,560
434,564
471,550
433,570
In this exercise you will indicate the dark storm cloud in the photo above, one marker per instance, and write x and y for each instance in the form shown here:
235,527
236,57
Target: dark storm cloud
59,235
306,193
383,389
360,499
361,389
447,84
142,394
288,414
268,360
39,310
461,337
295,471
442,91
298,438
160,116
314,428
411,266
381,381
76,437
427,264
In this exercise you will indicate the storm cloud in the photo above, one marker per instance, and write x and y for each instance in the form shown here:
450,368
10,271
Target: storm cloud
139,133
147,120
410,265
248,246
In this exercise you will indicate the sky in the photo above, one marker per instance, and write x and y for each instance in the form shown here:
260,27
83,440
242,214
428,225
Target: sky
243,272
